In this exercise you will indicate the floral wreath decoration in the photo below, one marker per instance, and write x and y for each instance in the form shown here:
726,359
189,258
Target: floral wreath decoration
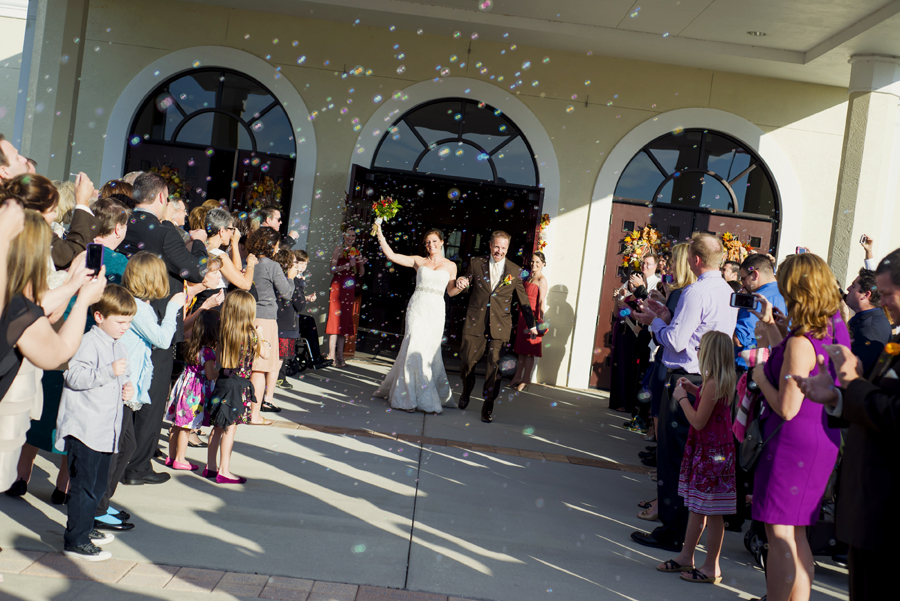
263,193
174,180
642,242
735,250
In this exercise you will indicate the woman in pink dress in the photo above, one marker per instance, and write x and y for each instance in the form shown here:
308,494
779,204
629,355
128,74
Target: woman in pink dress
348,266
528,348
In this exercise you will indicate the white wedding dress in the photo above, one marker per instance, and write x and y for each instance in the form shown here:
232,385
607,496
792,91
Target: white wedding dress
418,380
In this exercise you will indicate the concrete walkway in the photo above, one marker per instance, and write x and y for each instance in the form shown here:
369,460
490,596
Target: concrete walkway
326,510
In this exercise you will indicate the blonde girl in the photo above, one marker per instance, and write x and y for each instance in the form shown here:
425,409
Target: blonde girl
707,470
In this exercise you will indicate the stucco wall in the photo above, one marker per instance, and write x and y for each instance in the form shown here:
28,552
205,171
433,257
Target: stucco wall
124,36
11,40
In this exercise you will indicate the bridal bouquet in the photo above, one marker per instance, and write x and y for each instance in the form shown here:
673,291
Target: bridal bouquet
735,250
385,209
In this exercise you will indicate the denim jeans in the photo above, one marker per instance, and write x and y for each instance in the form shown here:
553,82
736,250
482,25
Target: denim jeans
88,475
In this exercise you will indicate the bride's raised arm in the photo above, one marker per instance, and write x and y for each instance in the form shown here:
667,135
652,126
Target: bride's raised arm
402,260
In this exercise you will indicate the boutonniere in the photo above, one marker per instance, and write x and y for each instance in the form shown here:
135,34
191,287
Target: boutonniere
507,280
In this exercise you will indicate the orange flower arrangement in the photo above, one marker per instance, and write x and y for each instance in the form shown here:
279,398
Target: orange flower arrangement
640,243
173,179
545,222
263,193
735,250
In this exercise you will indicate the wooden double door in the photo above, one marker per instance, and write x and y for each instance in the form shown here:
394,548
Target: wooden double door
677,225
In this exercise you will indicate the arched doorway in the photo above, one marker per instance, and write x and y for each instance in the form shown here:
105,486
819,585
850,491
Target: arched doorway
457,165
223,133
685,181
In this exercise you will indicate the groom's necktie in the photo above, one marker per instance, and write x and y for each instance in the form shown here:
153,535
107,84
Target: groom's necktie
496,271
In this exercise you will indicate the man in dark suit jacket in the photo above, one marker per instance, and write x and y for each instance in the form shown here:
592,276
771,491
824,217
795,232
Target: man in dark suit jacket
493,280
147,232
869,328
870,471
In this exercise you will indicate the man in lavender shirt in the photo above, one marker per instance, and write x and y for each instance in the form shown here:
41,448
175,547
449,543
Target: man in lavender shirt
704,306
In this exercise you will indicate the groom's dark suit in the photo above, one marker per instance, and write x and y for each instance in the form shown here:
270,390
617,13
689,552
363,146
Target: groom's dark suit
489,324
870,477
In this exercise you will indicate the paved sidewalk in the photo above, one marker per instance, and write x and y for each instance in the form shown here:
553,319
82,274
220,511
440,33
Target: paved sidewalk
361,503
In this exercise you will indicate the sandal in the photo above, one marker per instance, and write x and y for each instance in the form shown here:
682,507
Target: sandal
696,575
267,406
645,504
671,565
265,422
650,517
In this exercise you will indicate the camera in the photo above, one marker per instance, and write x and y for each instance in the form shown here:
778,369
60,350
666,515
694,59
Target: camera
751,385
640,293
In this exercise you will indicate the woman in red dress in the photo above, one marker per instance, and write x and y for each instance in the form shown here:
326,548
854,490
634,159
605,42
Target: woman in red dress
527,348
348,266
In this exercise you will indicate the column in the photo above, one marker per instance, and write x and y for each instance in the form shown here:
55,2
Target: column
48,121
863,203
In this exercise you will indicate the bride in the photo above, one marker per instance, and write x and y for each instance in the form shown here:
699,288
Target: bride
418,380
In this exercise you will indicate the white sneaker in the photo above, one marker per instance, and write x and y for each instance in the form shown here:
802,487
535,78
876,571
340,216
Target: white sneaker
101,538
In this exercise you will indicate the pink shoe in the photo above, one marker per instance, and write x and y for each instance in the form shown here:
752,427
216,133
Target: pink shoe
177,465
223,480
209,474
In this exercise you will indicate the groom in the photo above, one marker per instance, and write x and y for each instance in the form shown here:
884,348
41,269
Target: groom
488,320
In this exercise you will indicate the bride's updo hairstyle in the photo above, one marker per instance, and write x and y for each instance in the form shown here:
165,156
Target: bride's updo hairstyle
540,256
436,232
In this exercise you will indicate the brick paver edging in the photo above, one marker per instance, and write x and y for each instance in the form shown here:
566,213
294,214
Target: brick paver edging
468,446
174,578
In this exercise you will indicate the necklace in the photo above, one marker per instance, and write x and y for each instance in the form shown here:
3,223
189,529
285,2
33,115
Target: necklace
432,260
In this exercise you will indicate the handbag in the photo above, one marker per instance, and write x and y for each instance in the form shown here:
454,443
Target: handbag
752,446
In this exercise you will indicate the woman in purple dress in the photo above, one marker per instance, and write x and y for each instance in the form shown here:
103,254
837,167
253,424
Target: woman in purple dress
795,465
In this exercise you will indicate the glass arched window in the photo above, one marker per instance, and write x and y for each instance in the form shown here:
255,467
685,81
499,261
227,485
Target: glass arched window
458,138
215,108
700,169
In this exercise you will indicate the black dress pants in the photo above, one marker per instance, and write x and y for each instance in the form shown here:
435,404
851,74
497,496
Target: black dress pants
672,437
622,392
148,420
119,460
88,474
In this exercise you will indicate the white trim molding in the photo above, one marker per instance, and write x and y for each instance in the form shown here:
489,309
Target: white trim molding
790,193
461,87
182,61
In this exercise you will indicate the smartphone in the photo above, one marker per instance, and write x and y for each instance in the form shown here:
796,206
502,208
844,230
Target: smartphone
95,257
668,278
743,301
864,239
800,250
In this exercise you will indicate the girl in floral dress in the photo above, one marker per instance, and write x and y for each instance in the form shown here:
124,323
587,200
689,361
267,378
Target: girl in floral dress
194,387
707,470
238,344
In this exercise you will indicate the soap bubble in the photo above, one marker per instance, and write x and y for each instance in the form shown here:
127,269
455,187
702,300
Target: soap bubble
485,5
528,430
210,152
377,98
420,192
400,70
570,109
526,65
452,193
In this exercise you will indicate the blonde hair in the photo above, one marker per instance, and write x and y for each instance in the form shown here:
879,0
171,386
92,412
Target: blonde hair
810,293
28,258
66,205
116,300
681,266
237,336
717,364
146,277
709,249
